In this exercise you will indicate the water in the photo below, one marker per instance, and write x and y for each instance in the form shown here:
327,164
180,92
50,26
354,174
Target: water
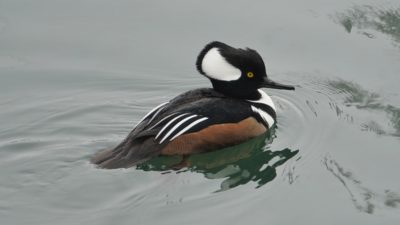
76,76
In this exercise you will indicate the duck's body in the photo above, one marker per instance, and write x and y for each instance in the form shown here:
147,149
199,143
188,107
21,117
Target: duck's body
203,119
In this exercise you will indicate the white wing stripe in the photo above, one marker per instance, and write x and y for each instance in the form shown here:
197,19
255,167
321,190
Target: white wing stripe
176,127
156,113
153,110
188,127
169,123
162,120
265,116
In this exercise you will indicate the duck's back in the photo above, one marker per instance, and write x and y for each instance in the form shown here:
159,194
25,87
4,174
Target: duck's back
195,121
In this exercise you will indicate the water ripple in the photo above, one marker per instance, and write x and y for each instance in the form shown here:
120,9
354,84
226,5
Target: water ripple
47,150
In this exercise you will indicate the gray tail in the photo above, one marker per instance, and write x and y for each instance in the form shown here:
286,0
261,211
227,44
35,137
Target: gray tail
127,154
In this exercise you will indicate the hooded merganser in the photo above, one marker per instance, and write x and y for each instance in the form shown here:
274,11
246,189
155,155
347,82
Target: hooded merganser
206,119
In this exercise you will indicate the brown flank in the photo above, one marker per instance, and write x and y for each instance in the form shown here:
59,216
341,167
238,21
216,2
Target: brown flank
215,137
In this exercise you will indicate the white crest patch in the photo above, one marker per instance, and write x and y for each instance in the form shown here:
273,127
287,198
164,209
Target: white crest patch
215,66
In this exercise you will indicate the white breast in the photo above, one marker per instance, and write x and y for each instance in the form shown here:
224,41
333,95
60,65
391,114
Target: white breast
265,100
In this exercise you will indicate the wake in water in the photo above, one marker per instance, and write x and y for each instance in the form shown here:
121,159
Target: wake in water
351,108
307,123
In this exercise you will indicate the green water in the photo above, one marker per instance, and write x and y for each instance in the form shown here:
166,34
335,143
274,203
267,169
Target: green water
76,76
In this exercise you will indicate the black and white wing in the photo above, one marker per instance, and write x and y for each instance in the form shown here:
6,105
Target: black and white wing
187,113
158,127
178,124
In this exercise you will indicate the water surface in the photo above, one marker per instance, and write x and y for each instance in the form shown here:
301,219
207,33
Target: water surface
76,76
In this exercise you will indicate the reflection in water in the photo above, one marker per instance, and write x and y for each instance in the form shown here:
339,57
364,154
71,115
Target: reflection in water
386,21
363,198
240,164
362,99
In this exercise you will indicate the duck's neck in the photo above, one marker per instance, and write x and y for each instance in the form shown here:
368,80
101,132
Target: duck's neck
237,92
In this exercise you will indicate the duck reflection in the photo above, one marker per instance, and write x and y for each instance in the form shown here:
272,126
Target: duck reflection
386,21
360,98
240,164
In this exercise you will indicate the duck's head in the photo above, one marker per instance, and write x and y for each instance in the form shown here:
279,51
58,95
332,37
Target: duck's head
234,71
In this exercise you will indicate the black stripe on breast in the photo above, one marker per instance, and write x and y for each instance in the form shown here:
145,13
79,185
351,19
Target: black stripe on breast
266,108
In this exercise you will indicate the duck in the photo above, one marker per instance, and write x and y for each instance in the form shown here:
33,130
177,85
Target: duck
234,110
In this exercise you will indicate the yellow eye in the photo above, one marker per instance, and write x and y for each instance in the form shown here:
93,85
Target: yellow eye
250,74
